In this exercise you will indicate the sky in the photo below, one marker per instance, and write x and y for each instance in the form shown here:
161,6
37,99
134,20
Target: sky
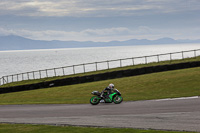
100,20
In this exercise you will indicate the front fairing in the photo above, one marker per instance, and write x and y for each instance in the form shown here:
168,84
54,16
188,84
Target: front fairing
112,95
117,92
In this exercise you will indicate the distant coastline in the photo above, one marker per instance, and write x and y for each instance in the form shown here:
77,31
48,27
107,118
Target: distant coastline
12,42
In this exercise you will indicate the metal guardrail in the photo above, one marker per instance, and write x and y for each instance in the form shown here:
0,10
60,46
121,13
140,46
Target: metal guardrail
95,66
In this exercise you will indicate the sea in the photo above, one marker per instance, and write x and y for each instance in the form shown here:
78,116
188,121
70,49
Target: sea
20,61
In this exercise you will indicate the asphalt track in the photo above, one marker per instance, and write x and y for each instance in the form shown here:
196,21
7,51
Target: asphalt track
168,114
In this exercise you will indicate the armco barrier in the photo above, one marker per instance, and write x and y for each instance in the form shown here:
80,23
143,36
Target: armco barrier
101,76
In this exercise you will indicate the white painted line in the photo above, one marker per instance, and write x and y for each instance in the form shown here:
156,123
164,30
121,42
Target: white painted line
180,98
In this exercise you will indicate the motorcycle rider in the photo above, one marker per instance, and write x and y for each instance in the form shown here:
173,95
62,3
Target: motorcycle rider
108,89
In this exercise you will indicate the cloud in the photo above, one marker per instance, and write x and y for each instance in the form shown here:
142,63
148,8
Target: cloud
100,20
107,31
95,8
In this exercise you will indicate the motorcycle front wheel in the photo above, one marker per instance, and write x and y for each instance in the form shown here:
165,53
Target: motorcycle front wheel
117,99
94,100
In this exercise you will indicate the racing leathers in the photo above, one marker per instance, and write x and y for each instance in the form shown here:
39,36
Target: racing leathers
108,90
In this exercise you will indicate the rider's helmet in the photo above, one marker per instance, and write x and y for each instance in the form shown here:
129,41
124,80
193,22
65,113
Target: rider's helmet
111,86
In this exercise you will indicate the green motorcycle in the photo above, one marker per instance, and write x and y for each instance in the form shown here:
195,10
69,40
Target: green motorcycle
115,97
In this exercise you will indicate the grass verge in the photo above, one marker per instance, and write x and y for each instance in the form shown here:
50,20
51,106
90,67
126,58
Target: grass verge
22,128
170,84
101,71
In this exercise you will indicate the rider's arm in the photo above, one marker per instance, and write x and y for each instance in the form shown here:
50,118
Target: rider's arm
104,90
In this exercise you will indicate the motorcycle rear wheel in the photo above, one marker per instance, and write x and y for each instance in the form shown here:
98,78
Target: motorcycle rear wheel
117,99
94,100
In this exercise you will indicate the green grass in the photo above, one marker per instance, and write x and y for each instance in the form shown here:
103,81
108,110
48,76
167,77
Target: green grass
170,84
21,128
102,71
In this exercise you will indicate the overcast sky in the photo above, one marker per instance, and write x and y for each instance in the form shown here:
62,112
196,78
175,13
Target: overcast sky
100,20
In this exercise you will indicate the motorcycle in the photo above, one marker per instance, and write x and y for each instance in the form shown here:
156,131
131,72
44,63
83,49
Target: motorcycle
115,97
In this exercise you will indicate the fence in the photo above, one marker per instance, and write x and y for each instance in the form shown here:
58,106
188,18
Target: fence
95,66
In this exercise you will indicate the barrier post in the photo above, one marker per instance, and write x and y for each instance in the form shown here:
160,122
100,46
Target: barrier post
63,71
73,69
3,79
84,68
96,65
46,73
33,75
158,58
145,60
108,64
28,75
40,74
55,71
133,61
182,55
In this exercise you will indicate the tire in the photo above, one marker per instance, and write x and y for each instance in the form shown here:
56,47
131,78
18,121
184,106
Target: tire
94,100
117,99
